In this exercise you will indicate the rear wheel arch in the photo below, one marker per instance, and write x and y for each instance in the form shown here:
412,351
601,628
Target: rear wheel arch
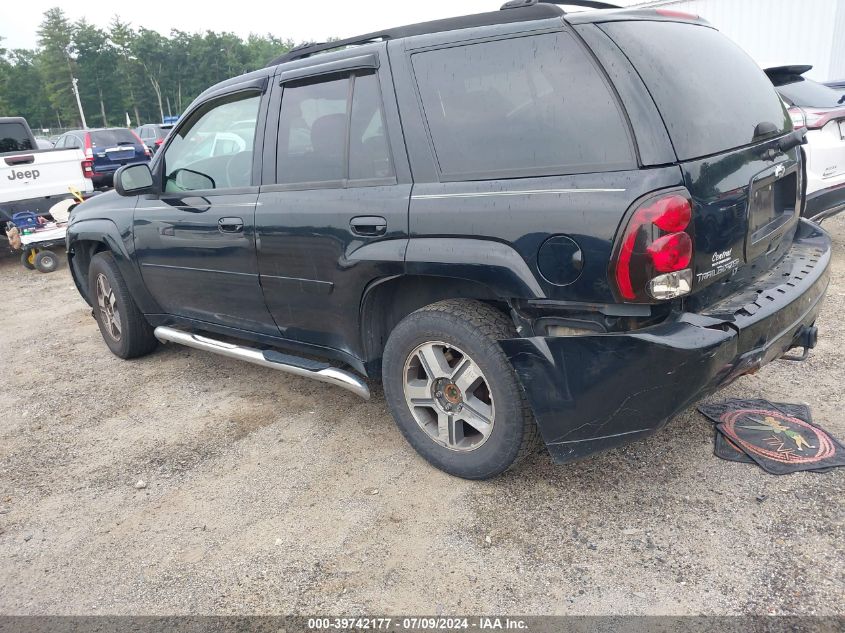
387,301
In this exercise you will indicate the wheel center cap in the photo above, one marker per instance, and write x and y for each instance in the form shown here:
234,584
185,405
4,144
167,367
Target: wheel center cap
452,393
447,393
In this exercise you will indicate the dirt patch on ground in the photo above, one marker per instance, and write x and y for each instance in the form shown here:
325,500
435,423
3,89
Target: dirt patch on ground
273,494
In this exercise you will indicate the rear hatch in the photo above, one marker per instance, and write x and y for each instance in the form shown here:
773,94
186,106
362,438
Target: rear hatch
726,123
114,148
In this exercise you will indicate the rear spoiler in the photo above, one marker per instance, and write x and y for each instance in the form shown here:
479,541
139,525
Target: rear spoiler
796,69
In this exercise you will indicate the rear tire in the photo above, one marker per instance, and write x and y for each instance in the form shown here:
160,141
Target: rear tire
46,261
125,330
453,392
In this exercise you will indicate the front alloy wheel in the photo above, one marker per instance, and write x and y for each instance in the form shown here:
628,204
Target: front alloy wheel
107,304
448,396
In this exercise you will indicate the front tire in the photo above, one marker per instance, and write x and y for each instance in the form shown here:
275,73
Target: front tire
452,391
125,330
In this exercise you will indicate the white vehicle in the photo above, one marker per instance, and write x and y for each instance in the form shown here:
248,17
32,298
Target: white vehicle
33,179
821,110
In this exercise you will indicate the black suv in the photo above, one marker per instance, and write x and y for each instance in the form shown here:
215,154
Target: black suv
525,222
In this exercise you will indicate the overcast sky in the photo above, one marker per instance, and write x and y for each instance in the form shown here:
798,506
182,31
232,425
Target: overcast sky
302,20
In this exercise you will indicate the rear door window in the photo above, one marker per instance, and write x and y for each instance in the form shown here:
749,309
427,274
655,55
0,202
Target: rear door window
369,155
13,138
312,132
524,106
317,122
711,94
112,138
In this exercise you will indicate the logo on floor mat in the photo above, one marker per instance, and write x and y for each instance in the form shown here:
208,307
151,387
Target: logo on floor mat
776,436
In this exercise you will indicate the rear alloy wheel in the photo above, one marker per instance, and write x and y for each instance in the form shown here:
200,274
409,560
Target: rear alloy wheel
448,396
453,392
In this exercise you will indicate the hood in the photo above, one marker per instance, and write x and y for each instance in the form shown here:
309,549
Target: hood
102,205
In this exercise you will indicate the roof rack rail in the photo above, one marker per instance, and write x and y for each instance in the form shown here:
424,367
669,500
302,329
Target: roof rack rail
531,10
588,4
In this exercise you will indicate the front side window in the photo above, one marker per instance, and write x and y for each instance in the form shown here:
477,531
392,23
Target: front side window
322,139
524,106
214,148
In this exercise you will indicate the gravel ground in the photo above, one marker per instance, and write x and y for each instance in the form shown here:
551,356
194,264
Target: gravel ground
272,494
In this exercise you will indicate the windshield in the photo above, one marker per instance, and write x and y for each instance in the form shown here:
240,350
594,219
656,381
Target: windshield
806,93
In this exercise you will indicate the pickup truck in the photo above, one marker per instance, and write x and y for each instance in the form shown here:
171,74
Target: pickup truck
527,223
33,179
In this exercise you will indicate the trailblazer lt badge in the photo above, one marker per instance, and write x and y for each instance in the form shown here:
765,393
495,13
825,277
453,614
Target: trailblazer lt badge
721,263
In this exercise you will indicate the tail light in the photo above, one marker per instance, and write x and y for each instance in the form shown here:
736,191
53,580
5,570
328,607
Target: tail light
652,259
814,119
89,149
88,168
669,13
797,116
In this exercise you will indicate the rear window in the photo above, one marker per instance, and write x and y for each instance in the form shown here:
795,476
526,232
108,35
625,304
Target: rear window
110,138
710,93
806,93
525,106
14,138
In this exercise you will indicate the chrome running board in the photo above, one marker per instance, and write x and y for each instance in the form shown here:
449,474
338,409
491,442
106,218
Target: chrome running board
295,365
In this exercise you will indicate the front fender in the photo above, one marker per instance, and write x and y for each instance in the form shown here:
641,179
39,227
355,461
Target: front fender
120,245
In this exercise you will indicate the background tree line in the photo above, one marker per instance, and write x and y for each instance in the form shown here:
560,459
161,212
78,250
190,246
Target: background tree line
120,70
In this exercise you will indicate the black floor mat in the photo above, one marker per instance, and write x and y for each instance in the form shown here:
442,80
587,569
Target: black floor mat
780,438
729,451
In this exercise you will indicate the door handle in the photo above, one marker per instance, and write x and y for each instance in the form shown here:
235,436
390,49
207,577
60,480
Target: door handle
230,225
368,225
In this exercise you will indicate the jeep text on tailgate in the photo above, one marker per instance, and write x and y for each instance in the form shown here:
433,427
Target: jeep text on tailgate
528,224
32,179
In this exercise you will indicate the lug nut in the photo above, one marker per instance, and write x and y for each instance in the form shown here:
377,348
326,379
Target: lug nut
439,394
448,407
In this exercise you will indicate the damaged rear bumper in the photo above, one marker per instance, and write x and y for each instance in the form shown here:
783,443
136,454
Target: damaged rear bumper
592,393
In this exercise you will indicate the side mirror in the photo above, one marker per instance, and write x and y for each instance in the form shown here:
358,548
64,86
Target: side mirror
131,180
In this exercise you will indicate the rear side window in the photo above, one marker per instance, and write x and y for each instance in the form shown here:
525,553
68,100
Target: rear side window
712,96
13,138
526,106
110,138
